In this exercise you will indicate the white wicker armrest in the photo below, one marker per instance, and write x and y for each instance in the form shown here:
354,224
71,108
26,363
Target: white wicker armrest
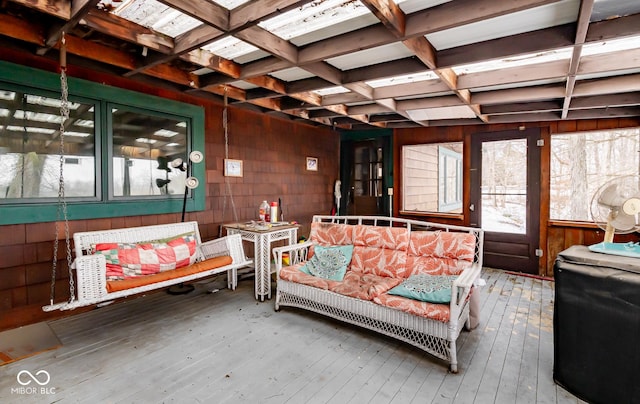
462,287
91,272
297,253
228,245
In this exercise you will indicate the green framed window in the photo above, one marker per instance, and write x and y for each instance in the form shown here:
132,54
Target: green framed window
121,150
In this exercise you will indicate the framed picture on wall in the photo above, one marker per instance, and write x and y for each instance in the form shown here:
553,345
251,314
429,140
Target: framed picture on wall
232,168
312,164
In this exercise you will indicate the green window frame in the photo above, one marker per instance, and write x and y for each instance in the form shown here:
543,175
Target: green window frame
104,97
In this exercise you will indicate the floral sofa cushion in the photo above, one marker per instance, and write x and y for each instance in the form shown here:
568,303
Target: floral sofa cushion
442,244
435,266
363,286
434,311
380,251
328,234
293,273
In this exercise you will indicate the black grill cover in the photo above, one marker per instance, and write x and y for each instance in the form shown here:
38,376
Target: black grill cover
596,326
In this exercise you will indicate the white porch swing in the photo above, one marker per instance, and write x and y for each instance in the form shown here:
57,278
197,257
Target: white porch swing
92,287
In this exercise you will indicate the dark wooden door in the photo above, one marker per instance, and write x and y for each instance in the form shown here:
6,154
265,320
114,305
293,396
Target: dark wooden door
505,197
366,191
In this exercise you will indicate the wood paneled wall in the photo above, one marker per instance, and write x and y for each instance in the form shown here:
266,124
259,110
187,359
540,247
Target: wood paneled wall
273,152
554,236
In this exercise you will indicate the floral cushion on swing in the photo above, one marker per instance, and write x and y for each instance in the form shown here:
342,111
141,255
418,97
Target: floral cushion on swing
130,260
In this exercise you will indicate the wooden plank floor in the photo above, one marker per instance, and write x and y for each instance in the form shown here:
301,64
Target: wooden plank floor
226,347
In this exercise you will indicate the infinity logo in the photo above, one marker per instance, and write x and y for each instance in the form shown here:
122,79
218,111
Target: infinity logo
33,378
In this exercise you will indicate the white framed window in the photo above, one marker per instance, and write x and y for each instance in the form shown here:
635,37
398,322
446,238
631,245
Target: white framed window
432,177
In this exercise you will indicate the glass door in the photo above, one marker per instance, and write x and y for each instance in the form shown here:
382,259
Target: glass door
505,197
367,184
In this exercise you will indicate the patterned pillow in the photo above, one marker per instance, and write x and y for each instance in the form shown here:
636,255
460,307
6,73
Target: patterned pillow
129,260
329,262
426,288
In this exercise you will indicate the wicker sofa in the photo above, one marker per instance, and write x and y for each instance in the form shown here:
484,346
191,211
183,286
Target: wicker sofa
388,256
116,263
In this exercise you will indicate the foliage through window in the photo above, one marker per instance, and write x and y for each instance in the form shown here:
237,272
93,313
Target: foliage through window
432,177
581,162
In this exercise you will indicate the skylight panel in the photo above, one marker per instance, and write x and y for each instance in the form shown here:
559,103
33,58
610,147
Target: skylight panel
515,61
367,57
411,6
230,4
548,15
292,74
155,15
313,16
331,91
614,45
404,79
230,48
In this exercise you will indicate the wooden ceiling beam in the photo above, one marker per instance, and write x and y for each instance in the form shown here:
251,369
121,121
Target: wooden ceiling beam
269,43
203,10
423,49
310,84
509,46
609,62
125,60
518,108
20,29
619,112
610,85
78,10
606,101
460,12
229,69
253,12
430,102
389,14
264,66
584,16
463,12
614,28
56,8
411,89
520,74
112,25
409,65
344,98
537,93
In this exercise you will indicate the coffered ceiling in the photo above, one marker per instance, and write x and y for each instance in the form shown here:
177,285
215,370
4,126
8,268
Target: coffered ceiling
358,64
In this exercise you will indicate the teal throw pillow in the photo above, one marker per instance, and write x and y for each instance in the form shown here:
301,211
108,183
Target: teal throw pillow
426,288
329,262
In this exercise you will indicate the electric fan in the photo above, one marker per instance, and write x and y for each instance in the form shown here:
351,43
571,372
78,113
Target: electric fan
615,207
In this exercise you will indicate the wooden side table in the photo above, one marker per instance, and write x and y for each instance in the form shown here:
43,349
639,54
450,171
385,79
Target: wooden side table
262,239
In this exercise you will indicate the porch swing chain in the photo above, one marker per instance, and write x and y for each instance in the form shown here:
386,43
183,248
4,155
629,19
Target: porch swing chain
62,203
225,124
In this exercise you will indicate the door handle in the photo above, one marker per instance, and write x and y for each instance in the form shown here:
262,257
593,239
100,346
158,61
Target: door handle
472,207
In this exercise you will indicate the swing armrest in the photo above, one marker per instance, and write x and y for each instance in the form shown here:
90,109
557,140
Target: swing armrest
91,274
228,245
